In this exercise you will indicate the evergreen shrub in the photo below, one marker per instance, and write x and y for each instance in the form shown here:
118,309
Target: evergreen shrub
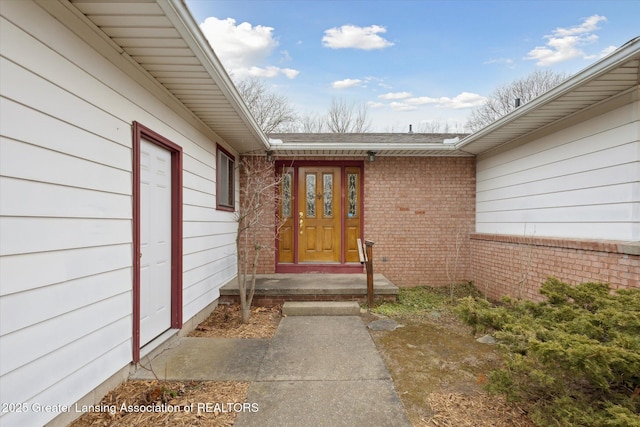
574,359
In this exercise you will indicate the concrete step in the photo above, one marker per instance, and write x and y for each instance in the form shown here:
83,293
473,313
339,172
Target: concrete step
321,308
274,289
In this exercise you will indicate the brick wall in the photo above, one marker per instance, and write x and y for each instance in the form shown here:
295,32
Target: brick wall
415,209
265,229
515,266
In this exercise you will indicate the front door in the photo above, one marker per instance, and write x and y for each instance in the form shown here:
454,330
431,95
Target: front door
320,213
319,209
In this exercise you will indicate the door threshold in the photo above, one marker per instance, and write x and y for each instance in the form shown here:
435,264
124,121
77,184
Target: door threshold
354,268
158,342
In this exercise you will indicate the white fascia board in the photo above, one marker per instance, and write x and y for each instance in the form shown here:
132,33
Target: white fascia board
608,63
179,15
377,147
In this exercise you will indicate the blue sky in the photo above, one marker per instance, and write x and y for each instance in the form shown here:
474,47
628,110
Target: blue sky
411,62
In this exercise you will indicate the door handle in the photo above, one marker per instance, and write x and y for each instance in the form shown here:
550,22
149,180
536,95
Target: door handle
300,222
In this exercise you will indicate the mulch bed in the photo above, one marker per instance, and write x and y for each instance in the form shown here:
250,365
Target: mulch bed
226,322
168,403
479,410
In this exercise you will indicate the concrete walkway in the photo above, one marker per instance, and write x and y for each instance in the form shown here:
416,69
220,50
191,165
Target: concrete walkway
315,371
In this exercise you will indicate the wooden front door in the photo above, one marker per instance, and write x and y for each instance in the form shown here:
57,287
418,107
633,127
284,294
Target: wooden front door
318,215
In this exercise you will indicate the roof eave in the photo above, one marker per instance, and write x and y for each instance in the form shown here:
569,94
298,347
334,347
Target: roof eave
360,149
377,147
620,56
179,15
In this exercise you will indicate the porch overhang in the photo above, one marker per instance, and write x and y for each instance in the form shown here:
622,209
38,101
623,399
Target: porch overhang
361,144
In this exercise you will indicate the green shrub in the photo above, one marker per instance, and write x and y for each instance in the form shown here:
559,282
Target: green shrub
574,358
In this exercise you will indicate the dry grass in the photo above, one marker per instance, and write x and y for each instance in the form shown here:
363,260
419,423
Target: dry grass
438,368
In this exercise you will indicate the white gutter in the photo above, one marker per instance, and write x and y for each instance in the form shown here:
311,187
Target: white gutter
179,15
619,56
361,146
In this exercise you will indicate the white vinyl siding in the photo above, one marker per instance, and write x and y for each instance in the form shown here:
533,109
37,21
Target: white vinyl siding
66,210
579,182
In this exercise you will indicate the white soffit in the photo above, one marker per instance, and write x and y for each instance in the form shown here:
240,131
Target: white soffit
162,37
608,77
360,144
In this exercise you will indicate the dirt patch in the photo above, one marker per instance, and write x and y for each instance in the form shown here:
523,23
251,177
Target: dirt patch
439,371
186,403
226,322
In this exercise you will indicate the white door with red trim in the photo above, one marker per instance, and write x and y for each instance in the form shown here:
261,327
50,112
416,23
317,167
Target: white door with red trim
155,241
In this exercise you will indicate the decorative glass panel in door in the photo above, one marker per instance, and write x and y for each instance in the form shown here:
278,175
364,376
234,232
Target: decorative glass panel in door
286,248
352,218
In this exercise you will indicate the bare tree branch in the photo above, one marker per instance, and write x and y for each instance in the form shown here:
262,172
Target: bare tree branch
343,117
259,196
272,111
502,100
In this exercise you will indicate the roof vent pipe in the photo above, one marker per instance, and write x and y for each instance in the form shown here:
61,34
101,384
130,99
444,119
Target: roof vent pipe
410,128
517,102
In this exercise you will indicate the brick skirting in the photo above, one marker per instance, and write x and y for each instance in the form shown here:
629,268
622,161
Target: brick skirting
515,266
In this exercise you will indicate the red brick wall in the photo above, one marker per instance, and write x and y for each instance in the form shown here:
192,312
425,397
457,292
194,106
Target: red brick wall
415,208
516,266
266,228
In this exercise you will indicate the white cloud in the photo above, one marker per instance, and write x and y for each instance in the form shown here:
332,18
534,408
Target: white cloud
402,106
607,51
238,45
351,36
564,44
589,25
290,73
395,95
285,56
463,100
243,48
373,104
268,72
342,84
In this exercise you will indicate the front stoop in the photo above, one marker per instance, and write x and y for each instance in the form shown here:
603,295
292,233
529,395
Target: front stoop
274,289
321,308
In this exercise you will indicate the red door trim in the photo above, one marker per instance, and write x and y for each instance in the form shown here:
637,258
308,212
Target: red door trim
140,131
